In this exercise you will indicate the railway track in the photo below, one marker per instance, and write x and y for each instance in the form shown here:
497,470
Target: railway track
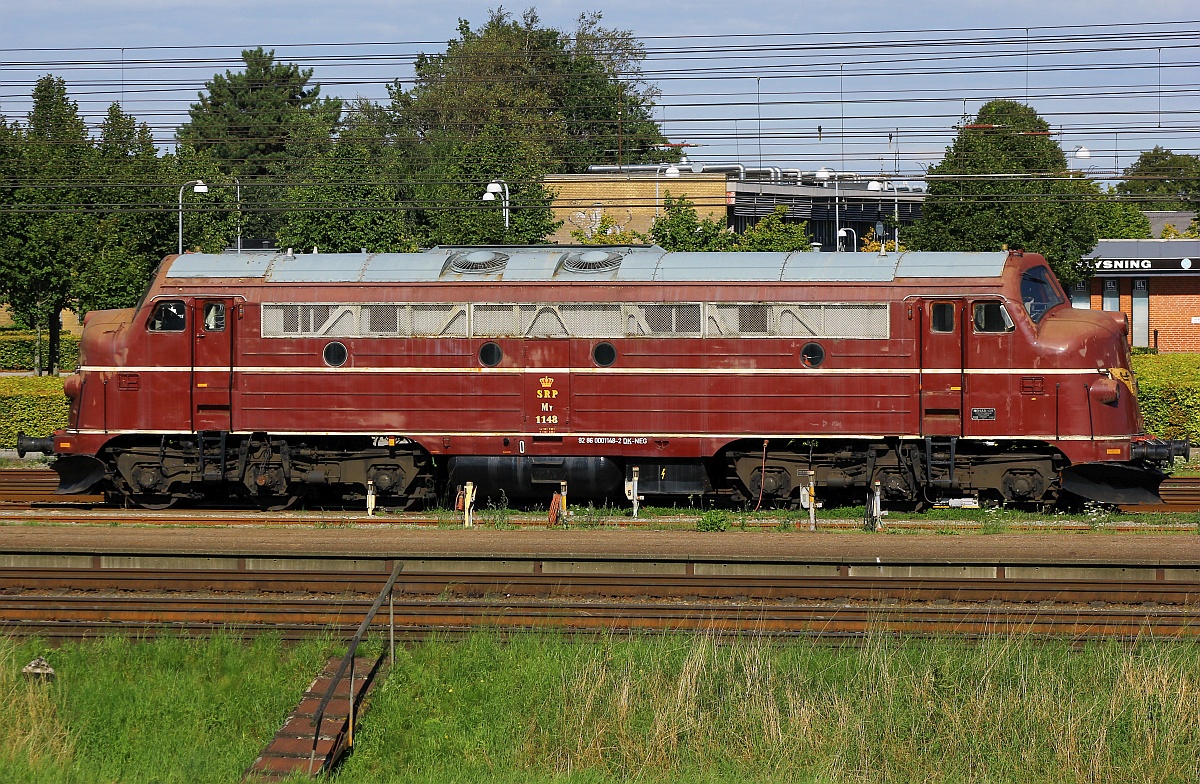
27,487
73,603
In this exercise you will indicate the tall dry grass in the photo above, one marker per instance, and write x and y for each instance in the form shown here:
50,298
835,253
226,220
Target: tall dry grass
1006,709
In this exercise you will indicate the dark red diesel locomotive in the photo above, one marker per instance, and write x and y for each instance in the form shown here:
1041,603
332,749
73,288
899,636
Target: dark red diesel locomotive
275,376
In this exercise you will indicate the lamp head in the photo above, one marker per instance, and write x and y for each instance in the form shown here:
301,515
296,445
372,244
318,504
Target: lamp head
842,233
874,185
671,172
488,195
200,187
1082,153
824,173
495,186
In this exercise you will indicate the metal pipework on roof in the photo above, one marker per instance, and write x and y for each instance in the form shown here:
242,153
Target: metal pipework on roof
774,173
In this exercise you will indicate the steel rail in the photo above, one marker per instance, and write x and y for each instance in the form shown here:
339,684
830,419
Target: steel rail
416,618
29,581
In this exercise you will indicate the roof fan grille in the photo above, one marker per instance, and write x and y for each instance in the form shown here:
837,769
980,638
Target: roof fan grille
591,261
478,262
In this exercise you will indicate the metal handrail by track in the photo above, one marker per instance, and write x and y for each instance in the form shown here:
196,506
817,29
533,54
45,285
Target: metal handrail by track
348,663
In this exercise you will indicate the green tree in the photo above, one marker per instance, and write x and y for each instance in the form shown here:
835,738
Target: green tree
244,121
50,233
772,234
579,95
1033,202
246,117
133,227
1162,180
210,220
1120,220
679,228
1192,232
352,197
451,196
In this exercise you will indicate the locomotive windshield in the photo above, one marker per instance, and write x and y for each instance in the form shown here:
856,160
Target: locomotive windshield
1038,292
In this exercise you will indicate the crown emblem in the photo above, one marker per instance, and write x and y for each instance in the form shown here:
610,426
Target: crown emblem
547,382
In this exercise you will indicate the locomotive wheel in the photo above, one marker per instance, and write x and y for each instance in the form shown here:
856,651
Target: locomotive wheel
277,503
153,502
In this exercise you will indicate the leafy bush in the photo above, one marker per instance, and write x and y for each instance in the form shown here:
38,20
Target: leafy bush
19,348
713,520
34,405
1169,394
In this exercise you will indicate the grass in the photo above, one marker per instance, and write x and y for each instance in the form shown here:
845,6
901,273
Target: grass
686,708
552,708
167,710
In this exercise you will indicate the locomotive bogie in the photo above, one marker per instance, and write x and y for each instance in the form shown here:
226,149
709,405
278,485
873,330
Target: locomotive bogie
262,469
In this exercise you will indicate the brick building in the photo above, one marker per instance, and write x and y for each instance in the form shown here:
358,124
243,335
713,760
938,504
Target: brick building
741,195
631,200
1155,283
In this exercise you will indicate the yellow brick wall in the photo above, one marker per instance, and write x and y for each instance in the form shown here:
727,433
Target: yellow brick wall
69,320
629,199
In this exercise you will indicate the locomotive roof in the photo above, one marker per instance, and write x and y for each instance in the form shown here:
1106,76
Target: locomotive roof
574,263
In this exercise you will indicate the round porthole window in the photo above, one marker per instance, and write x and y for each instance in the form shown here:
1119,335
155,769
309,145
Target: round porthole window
490,354
604,354
812,355
335,354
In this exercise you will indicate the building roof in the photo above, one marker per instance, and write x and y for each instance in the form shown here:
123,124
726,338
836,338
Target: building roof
1146,249
583,263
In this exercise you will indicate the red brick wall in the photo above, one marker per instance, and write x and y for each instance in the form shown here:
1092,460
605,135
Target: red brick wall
1174,301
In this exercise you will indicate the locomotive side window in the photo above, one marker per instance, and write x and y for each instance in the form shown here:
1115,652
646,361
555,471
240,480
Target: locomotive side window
490,354
169,316
941,317
335,354
1038,292
214,316
604,354
992,317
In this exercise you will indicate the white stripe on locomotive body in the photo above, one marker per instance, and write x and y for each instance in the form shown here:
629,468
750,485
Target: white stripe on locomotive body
567,437
631,371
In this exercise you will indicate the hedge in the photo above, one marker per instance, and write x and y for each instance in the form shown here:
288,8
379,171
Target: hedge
1169,394
18,349
34,405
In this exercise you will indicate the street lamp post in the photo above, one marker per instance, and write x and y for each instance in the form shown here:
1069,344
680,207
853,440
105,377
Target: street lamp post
876,185
198,186
238,184
501,187
668,170
842,234
825,173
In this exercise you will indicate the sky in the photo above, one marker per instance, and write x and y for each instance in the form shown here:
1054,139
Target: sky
857,85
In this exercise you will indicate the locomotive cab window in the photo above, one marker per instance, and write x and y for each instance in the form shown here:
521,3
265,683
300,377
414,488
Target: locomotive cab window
941,317
992,316
214,316
1038,292
169,316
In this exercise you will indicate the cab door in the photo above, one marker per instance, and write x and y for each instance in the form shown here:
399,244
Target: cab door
942,377
212,363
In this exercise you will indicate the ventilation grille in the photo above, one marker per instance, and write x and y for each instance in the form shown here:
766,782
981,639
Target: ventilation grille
477,262
578,320
588,261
